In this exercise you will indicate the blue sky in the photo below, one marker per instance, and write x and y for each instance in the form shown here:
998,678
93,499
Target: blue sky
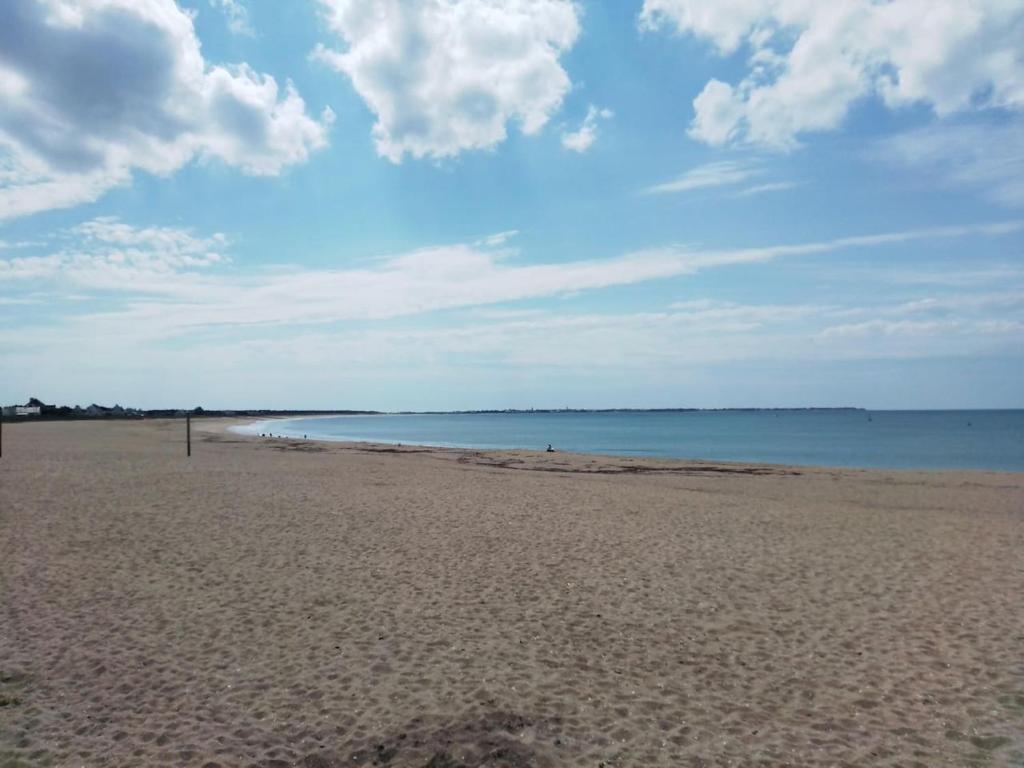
540,203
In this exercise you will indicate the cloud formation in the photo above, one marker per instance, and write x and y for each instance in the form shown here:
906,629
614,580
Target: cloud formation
989,158
236,14
809,62
681,337
129,91
771,186
724,173
584,137
106,254
444,76
718,174
138,300
172,281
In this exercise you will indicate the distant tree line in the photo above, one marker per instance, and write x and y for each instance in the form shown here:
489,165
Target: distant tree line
36,409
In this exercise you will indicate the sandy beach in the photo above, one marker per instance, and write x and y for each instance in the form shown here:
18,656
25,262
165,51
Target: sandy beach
280,602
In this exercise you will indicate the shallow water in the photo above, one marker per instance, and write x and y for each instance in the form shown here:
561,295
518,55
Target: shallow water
991,440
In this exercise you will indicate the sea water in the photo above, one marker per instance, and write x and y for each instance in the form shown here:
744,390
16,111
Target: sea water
992,440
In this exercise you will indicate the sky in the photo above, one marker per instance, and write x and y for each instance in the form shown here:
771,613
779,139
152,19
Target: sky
463,204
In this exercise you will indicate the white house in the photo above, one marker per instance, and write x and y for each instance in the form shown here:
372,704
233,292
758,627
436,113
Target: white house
34,407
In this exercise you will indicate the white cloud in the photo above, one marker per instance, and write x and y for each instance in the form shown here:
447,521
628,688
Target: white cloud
109,255
168,281
129,91
237,16
732,316
679,337
172,301
711,331
718,174
998,300
6,245
914,328
773,186
949,275
718,114
724,173
31,186
443,76
584,137
809,62
989,158
498,239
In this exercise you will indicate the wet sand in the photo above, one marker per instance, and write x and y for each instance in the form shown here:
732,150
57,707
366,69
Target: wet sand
281,602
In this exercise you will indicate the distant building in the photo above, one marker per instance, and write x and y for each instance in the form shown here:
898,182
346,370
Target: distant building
34,407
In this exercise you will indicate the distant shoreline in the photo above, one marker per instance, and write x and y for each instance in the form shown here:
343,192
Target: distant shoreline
621,410
66,413
170,413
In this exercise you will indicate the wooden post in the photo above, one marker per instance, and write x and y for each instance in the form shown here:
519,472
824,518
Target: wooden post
188,435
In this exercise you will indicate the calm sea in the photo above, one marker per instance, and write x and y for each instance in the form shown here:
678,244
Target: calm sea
891,439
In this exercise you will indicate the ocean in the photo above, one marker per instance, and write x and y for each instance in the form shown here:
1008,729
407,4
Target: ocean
990,440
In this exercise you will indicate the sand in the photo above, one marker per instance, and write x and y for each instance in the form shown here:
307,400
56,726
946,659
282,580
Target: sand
279,602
